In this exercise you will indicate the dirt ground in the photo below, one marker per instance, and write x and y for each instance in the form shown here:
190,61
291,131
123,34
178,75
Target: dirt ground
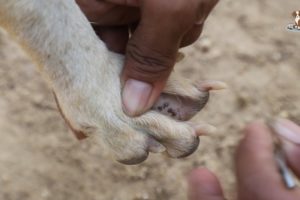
244,44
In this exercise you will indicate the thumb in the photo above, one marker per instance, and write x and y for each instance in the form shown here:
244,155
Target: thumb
204,185
148,64
150,56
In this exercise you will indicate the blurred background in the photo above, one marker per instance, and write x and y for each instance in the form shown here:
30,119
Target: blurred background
244,43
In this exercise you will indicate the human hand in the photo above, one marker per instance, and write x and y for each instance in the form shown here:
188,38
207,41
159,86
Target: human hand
257,173
159,29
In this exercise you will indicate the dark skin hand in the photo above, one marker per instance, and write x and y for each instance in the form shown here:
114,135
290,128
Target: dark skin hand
159,28
257,174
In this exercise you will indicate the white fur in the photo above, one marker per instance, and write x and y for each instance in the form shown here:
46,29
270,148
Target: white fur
85,77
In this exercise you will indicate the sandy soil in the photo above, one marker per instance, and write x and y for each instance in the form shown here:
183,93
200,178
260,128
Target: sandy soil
244,44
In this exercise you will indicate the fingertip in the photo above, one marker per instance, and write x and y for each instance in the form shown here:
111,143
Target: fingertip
254,127
203,185
256,168
257,136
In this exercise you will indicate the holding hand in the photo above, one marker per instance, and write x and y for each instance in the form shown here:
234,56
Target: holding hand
159,29
257,173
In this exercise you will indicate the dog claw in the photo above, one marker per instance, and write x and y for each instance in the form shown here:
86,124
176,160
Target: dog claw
206,86
205,129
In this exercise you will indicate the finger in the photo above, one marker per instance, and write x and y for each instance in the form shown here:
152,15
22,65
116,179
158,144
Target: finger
191,36
204,185
205,8
257,172
151,52
115,37
289,133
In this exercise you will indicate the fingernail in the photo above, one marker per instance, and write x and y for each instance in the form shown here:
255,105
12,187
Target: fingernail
287,130
135,96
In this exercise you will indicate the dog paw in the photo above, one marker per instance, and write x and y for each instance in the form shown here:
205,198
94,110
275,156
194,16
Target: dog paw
91,105
168,124
181,100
